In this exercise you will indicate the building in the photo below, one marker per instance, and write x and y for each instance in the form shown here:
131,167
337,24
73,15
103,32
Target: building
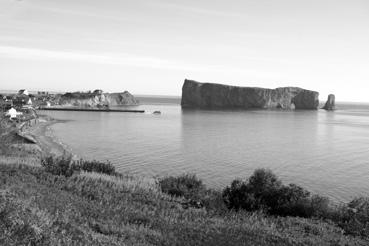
98,92
23,92
20,100
12,113
43,93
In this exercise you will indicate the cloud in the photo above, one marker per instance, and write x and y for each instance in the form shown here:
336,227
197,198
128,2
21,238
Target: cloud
121,59
196,10
50,55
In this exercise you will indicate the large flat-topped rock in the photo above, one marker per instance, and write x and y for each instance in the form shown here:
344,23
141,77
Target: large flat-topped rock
219,96
87,100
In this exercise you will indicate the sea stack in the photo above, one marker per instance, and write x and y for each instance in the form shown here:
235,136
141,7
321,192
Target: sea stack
330,104
219,96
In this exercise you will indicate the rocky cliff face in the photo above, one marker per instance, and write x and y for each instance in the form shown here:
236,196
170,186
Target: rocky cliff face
216,96
87,100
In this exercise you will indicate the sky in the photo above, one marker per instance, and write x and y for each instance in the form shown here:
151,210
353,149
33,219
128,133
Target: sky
151,46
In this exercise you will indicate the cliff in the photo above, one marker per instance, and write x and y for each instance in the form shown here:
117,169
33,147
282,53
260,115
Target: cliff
331,103
97,99
218,96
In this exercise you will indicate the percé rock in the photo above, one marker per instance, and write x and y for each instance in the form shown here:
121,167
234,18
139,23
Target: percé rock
218,96
330,104
88,100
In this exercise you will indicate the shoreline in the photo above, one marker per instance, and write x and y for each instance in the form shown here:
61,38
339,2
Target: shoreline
33,140
49,144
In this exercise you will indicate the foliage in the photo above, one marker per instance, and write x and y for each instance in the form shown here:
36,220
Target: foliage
78,95
5,129
186,185
94,166
352,217
66,166
264,191
58,166
39,208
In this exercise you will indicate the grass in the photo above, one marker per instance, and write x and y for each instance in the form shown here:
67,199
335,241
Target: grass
12,151
89,208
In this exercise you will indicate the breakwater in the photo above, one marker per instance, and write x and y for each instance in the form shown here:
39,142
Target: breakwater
93,110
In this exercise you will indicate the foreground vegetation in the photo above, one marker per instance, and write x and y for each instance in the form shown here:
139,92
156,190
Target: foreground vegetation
65,202
264,192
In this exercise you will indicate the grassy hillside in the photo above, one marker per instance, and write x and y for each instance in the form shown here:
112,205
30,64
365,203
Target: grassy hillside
89,208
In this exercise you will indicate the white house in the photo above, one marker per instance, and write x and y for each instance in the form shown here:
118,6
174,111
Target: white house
12,113
23,92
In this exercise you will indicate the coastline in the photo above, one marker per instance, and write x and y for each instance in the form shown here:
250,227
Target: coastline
34,140
149,207
49,144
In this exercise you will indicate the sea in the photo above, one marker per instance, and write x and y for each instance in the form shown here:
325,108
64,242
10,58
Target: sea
325,152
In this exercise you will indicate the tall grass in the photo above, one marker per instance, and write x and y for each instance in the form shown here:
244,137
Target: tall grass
66,202
89,208
66,166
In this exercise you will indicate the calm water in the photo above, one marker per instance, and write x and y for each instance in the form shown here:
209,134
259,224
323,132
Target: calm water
325,152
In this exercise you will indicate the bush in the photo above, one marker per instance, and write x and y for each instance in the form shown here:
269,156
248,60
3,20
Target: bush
187,185
94,166
264,191
352,217
212,200
58,166
194,191
66,166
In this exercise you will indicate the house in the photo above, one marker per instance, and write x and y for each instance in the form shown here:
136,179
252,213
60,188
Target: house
20,100
23,92
98,92
12,113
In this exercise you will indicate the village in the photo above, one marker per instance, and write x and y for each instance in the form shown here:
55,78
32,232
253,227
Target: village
20,107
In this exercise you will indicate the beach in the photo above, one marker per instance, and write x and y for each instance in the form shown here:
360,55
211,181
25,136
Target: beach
46,144
45,139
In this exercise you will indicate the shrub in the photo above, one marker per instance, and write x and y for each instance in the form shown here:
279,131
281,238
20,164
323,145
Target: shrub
259,192
187,185
194,191
264,191
352,217
58,166
94,166
66,166
320,206
212,200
